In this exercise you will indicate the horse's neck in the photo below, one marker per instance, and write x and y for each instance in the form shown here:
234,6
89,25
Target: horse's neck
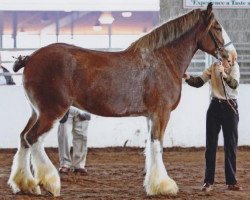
181,52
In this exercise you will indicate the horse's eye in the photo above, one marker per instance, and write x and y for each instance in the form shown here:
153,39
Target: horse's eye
218,29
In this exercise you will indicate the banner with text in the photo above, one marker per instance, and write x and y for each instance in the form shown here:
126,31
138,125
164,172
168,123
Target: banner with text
235,4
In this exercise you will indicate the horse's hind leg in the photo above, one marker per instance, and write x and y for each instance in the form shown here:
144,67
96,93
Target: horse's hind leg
21,178
44,171
30,123
157,180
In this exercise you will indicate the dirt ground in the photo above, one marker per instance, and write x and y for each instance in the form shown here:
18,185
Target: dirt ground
117,173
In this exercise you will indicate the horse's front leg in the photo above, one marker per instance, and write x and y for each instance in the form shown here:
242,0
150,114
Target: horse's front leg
157,180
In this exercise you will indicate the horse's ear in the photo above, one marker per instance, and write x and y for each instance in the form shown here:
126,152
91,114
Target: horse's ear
209,14
209,9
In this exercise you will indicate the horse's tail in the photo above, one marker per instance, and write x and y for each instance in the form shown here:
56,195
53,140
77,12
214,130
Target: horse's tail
20,62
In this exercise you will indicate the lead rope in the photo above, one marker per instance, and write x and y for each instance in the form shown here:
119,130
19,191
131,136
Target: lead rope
226,95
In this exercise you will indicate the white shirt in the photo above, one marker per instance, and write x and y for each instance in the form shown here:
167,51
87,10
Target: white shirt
213,75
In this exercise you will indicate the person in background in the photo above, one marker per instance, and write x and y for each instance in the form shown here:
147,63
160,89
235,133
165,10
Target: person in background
5,79
74,122
222,113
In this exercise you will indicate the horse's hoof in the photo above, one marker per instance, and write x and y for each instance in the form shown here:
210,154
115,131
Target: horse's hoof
27,186
52,189
51,184
163,187
35,190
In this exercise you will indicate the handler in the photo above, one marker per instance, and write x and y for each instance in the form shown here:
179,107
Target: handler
222,113
5,79
76,122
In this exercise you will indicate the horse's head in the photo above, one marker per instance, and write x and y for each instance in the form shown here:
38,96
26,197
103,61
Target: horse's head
215,40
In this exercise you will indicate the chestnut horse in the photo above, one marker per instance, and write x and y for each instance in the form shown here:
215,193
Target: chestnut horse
143,80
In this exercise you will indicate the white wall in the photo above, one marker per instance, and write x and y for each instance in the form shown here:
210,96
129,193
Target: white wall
186,127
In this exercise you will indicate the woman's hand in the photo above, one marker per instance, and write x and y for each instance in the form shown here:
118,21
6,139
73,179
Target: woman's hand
222,71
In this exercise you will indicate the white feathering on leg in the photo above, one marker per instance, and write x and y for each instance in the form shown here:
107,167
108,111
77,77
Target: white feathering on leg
148,161
21,178
147,151
157,180
44,170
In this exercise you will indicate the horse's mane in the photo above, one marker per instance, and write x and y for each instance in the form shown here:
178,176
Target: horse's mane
167,32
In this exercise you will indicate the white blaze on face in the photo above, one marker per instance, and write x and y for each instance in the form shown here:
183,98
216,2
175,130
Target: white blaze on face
227,40
230,48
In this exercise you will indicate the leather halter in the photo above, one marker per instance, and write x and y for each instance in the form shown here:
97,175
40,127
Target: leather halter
218,47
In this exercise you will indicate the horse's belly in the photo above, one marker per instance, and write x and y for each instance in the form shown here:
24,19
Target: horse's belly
108,103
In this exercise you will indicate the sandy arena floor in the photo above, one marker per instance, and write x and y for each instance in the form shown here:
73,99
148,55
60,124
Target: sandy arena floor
117,173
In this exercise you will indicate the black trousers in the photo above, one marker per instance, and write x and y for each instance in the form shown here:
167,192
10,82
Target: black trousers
221,115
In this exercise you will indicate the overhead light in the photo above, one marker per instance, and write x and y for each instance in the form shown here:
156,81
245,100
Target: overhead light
97,26
106,18
127,14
